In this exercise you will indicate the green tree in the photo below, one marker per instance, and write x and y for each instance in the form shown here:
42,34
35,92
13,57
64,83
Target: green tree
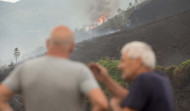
136,1
130,4
119,10
16,54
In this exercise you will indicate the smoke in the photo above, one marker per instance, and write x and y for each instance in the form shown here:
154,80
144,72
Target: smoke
98,8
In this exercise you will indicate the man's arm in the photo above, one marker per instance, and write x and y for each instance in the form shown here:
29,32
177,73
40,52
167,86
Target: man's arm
115,105
9,86
98,100
89,87
115,89
118,108
5,95
101,74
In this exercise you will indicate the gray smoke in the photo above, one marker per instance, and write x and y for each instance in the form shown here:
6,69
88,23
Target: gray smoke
98,8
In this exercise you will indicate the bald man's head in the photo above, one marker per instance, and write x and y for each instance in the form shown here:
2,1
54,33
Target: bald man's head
61,32
61,39
61,35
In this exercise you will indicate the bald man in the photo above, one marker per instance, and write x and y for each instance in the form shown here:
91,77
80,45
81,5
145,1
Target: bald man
53,82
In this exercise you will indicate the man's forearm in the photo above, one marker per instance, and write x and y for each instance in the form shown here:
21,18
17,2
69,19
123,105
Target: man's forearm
115,89
97,108
5,107
118,108
5,95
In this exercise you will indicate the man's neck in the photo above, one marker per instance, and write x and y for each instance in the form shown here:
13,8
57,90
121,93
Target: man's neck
142,70
66,56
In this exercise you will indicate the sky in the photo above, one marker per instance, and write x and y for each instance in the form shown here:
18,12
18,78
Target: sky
123,2
27,27
12,1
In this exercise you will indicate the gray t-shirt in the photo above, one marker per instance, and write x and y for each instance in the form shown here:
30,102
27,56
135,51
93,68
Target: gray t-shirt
52,84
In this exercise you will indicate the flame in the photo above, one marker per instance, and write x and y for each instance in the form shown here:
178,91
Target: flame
102,19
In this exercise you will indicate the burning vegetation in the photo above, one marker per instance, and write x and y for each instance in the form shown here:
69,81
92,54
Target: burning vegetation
99,21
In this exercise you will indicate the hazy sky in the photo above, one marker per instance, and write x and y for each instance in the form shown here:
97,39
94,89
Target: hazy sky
27,27
123,2
12,1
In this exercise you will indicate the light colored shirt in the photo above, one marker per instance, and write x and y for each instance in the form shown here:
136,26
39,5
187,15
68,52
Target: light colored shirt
52,84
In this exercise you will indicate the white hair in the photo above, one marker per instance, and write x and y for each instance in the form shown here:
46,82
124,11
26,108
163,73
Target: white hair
137,49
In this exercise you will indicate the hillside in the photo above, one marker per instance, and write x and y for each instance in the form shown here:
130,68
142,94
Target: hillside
143,13
157,9
168,37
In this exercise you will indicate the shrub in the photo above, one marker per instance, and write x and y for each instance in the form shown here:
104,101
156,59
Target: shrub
179,75
111,65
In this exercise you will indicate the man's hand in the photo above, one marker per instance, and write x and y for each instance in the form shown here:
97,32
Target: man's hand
5,95
100,72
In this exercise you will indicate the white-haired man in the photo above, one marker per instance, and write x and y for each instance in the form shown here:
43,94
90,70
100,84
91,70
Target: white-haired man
150,90
53,82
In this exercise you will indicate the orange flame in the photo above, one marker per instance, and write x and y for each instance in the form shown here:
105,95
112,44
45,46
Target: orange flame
102,19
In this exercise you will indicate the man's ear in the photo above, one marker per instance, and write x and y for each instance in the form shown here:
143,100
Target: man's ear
72,47
139,61
47,44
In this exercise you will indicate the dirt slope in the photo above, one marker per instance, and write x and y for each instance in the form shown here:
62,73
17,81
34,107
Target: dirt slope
170,38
